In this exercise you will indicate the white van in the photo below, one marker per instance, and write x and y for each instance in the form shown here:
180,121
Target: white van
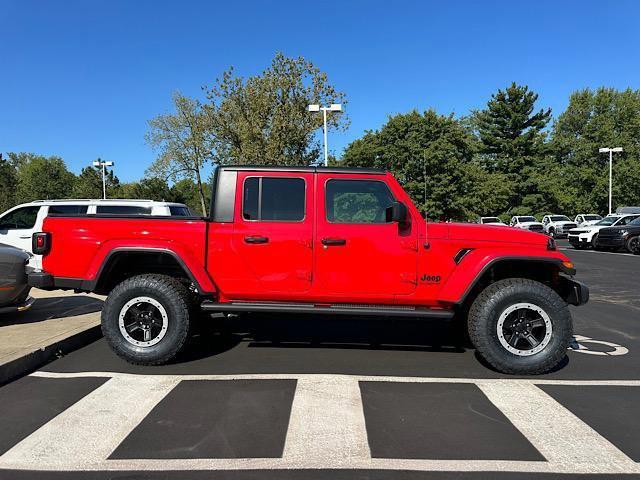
18,224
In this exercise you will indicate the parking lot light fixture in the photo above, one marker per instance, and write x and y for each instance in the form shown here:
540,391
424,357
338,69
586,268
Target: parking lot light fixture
334,107
100,163
610,151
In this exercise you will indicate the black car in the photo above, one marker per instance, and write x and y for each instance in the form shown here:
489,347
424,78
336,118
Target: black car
626,236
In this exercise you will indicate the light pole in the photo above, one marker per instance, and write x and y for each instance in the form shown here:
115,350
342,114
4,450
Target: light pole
100,163
610,151
334,107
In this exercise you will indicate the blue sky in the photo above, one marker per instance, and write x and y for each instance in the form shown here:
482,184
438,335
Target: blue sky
80,79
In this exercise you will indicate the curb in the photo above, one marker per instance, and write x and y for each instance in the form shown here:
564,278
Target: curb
34,360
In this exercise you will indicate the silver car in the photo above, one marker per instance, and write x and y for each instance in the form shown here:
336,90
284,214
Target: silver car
14,291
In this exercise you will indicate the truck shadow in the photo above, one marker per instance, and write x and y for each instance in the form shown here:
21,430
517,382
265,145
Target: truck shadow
53,307
315,331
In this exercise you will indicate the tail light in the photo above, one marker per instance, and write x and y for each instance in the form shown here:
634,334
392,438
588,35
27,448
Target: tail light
41,243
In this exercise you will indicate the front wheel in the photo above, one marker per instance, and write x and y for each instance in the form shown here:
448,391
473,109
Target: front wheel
633,245
146,319
520,326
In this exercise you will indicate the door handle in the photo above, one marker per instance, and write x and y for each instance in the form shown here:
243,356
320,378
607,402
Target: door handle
24,238
255,240
333,242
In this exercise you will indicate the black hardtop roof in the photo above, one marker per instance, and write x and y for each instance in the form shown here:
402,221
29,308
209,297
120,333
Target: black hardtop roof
275,168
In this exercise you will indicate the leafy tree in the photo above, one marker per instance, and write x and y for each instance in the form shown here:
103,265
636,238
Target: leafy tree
264,119
185,191
432,156
152,188
89,184
184,142
41,177
8,184
593,119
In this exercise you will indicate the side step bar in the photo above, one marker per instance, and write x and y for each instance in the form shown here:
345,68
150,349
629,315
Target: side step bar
336,309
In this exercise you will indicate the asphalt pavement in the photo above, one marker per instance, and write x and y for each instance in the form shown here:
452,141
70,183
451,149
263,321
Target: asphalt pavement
319,397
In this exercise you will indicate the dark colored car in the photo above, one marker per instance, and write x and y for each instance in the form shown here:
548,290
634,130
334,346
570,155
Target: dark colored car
626,236
14,290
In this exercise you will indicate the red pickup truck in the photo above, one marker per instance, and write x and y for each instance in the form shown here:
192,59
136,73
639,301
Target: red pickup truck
314,240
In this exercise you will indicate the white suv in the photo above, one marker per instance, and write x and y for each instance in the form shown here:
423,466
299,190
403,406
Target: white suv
19,223
557,226
584,237
526,223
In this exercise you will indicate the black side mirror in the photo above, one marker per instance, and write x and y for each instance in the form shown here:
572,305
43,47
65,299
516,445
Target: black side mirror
397,212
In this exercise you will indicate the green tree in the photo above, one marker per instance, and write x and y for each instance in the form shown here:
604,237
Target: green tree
184,142
89,183
8,184
185,191
605,117
509,129
264,119
512,141
432,157
41,177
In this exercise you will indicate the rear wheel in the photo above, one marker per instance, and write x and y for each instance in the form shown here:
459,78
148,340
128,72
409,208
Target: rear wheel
520,326
633,245
146,319
594,242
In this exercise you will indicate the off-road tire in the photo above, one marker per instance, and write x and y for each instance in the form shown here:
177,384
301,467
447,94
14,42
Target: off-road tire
175,299
633,245
495,299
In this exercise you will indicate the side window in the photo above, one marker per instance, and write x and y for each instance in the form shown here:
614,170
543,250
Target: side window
357,201
626,220
273,199
180,211
122,210
22,218
68,209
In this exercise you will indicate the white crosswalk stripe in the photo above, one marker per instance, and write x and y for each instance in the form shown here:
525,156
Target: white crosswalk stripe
326,428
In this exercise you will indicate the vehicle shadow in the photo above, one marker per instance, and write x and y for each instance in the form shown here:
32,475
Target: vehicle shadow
53,307
221,334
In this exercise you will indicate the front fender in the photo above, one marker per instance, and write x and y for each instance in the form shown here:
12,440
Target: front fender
474,265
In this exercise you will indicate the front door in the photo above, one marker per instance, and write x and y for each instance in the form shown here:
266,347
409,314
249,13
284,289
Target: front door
273,232
358,253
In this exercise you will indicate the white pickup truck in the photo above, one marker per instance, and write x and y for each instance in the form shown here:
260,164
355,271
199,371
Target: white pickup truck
557,226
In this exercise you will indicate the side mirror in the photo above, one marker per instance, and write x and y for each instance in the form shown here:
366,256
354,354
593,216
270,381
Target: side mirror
397,212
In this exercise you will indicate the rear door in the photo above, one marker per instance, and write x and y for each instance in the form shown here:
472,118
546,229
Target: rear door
273,232
358,253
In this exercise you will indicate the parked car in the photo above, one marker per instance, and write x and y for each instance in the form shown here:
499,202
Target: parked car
585,237
315,240
557,226
621,237
14,293
491,221
586,219
527,223
18,224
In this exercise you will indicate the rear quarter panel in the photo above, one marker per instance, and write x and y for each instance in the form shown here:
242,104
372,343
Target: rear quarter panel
80,245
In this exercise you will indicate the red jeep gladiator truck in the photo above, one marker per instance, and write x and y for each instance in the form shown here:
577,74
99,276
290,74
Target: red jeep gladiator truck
314,240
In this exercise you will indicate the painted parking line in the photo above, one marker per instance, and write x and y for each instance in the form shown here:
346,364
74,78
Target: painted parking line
620,254
325,407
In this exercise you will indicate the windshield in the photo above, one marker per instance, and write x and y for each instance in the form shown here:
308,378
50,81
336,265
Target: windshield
491,220
559,218
527,219
607,221
592,217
